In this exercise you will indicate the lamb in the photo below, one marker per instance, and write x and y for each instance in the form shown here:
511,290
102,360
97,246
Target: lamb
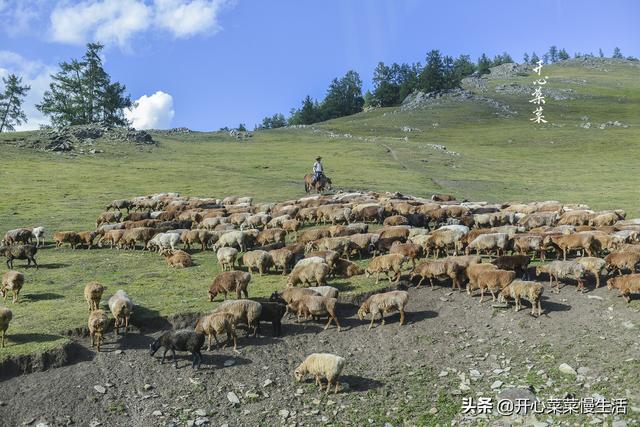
488,243
395,220
38,234
341,245
291,226
313,235
344,268
322,365
517,263
258,221
243,311
177,258
135,216
318,305
282,259
523,244
277,221
306,274
203,237
5,318
70,237
121,308
135,235
438,269
92,294
227,258
595,266
162,241
493,280
330,257
258,259
474,270
230,281
622,261
119,205
364,243
563,270
27,252
382,304
603,219
444,238
215,324
519,289
98,322
108,217
625,284
291,297
235,238
386,263
181,340
368,212
409,250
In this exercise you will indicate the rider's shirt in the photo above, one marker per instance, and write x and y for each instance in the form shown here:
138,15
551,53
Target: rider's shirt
317,167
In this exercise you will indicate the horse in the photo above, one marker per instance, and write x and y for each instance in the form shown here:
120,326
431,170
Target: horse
322,184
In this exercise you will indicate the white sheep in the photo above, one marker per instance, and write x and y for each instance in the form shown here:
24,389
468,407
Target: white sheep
227,258
38,233
310,260
327,291
321,365
167,240
121,307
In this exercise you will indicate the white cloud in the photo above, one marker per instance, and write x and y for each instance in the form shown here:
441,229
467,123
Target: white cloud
188,18
107,21
34,74
119,21
151,112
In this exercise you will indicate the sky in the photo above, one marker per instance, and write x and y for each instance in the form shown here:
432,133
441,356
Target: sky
205,64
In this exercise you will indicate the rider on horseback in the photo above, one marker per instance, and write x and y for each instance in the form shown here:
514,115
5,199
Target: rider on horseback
318,170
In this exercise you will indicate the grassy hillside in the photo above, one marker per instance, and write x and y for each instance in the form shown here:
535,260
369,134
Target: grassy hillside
498,159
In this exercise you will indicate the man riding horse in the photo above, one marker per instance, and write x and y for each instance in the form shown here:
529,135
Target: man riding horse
317,179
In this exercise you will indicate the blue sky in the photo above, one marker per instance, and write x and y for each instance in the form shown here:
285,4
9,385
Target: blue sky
205,64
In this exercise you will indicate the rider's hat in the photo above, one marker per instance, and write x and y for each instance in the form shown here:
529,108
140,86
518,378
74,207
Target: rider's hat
318,158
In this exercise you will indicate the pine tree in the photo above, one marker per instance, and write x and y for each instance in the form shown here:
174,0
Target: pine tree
11,98
463,67
525,58
534,59
432,77
386,89
307,114
563,55
552,54
344,97
600,53
484,64
617,54
241,128
82,93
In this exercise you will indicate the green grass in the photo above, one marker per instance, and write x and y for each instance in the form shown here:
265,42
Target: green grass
501,159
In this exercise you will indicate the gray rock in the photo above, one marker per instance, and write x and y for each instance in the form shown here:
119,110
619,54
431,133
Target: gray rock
284,413
516,395
566,369
100,389
583,371
496,384
233,398
201,421
156,413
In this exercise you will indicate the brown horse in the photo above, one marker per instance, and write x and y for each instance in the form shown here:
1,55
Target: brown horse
322,184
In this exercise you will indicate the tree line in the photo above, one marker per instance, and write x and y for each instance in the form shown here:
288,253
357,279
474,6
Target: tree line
82,92
393,83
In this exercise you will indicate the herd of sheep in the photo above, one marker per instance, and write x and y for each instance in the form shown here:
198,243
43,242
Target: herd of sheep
482,246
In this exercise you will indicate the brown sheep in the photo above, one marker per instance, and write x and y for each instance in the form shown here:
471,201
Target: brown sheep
523,244
436,270
395,220
5,318
386,264
92,294
121,308
474,270
177,258
312,235
202,237
134,235
215,324
258,259
620,261
341,245
625,284
70,237
519,289
382,304
86,238
409,250
306,274
567,242
271,235
98,322
282,259
493,280
108,217
112,237
330,257
316,306
517,263
12,281
291,226
230,281
344,268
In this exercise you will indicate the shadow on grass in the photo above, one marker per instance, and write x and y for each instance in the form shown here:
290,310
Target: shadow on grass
43,296
358,383
53,266
32,337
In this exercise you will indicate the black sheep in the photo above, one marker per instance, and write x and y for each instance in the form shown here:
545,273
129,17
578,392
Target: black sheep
12,252
181,340
273,311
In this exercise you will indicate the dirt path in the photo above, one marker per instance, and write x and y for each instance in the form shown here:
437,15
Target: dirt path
416,374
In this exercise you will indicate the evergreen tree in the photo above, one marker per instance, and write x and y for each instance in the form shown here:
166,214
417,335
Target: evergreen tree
600,53
273,122
82,93
408,79
484,64
432,77
386,88
307,114
534,59
241,128
553,54
545,58
344,97
617,54
11,98
525,58
463,67
563,55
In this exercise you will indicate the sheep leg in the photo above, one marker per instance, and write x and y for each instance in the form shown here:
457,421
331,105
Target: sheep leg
481,294
116,324
328,386
420,282
493,295
3,333
597,280
564,253
377,277
163,355
402,316
337,384
431,281
318,381
175,359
